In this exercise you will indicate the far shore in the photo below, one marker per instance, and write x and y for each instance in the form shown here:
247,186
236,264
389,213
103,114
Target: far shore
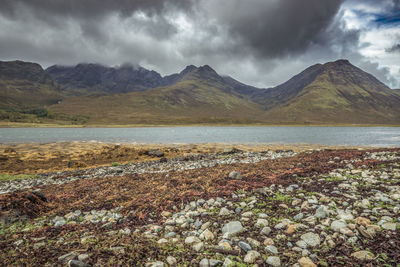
54,125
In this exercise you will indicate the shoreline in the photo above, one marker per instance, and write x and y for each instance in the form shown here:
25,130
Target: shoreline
33,158
51,125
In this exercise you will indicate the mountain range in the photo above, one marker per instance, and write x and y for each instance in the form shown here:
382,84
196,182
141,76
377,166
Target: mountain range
331,93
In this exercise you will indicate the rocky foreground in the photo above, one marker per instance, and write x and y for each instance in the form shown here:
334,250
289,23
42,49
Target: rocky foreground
325,208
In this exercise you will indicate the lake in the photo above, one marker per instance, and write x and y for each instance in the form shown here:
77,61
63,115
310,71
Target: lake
369,136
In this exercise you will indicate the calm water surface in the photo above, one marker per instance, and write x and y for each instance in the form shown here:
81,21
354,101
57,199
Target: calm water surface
371,136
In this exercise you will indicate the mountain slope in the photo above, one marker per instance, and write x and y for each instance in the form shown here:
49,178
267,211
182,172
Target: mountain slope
335,92
87,78
26,85
196,95
241,88
331,93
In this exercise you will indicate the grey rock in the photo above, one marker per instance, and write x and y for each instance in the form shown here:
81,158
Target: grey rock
266,230
170,234
232,228
60,222
243,245
279,226
365,203
157,264
67,257
235,175
261,223
198,246
301,244
274,261
155,153
363,255
83,257
77,263
305,252
321,212
171,261
337,225
207,235
247,214
251,256
298,217
73,216
389,226
311,239
125,231
271,249
198,224
224,212
191,240
210,263
345,216
227,263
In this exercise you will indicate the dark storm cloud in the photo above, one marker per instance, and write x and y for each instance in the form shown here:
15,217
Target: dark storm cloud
91,8
90,13
261,42
276,28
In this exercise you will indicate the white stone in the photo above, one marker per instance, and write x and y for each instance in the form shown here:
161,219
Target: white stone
274,261
232,228
191,239
251,256
224,212
261,223
337,225
311,239
171,261
207,235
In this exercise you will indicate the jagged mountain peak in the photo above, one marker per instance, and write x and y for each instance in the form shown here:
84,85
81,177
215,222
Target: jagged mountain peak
334,91
340,62
93,77
188,69
18,69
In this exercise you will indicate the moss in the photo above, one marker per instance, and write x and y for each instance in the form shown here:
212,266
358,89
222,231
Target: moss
282,197
332,179
17,227
9,177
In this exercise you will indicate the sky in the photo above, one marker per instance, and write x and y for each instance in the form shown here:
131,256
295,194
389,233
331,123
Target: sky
258,42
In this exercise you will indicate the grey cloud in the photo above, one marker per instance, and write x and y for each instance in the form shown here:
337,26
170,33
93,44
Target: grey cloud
260,42
394,49
91,8
382,73
90,14
275,28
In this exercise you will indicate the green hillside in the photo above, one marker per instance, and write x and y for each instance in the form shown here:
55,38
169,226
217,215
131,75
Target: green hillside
331,93
26,92
199,97
337,92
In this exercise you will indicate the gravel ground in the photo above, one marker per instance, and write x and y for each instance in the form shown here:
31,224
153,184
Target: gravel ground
346,215
158,166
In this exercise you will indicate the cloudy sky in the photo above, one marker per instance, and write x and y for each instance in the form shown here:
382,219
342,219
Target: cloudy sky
259,42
